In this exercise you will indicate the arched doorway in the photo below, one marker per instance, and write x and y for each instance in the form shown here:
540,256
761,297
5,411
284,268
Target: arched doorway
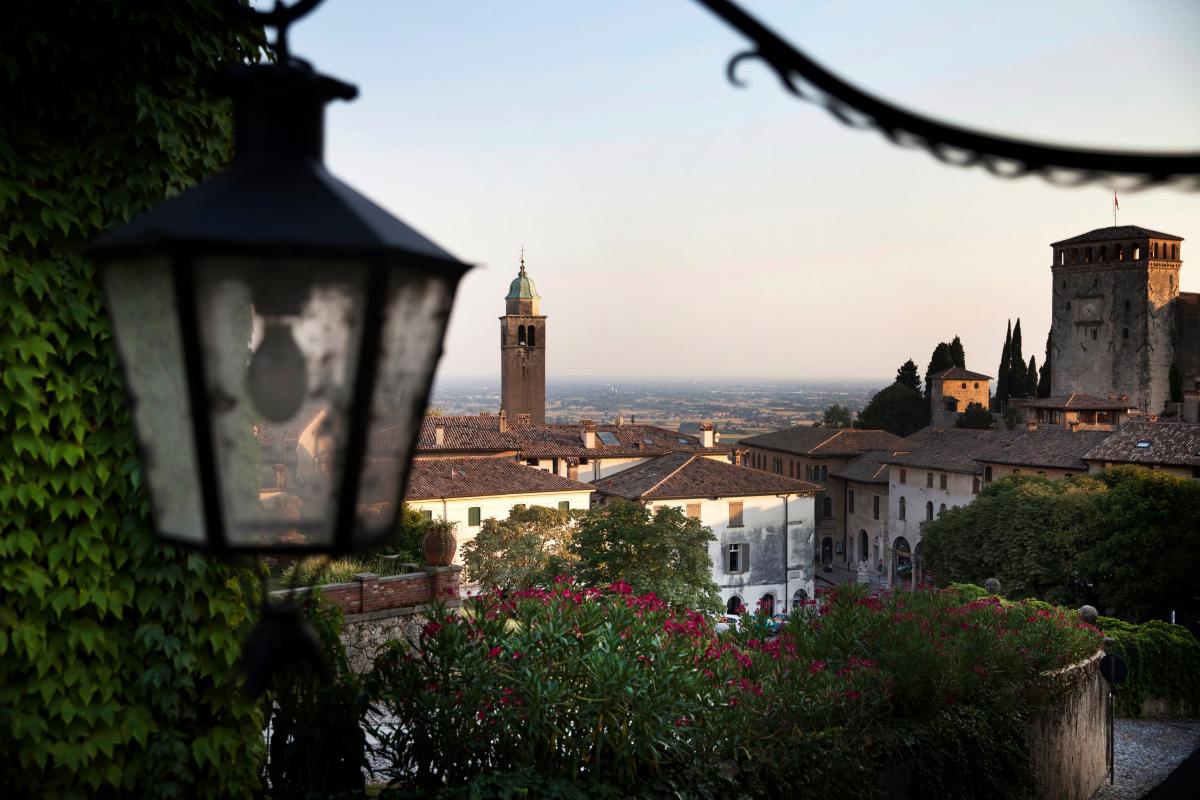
862,545
901,559
827,550
798,598
734,606
918,567
766,604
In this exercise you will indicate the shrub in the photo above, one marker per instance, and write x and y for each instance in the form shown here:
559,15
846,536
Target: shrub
1164,663
600,690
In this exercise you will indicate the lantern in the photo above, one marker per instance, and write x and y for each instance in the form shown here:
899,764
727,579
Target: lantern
278,334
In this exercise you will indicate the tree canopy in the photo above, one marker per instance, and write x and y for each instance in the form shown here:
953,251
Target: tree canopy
976,416
665,552
907,374
898,409
1123,541
1002,371
957,355
837,416
939,361
529,548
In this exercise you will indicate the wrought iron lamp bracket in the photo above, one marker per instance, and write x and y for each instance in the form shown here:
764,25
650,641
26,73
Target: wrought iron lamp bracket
279,18
1002,156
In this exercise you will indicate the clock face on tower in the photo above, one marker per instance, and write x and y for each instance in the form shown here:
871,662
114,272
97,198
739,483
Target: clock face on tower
1089,310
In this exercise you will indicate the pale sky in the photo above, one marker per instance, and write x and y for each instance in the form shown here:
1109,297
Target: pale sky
677,226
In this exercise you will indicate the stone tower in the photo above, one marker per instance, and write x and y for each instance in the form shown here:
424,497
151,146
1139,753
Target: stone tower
523,351
1112,321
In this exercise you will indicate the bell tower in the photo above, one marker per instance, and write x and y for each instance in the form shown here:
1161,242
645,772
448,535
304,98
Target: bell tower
523,351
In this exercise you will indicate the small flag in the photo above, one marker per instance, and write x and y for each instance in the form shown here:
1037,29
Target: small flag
1116,205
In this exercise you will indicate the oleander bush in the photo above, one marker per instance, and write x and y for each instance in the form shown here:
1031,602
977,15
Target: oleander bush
588,692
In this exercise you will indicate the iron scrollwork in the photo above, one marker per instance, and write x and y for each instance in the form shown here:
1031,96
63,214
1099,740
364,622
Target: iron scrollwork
1002,156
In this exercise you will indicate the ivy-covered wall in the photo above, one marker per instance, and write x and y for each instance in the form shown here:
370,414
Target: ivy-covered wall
117,658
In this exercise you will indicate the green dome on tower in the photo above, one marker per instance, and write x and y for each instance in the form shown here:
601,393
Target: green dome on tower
522,287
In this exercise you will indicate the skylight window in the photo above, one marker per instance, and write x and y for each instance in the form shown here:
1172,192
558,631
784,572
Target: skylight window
681,440
607,437
1143,444
647,441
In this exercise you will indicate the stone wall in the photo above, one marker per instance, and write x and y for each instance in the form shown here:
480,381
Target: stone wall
1069,746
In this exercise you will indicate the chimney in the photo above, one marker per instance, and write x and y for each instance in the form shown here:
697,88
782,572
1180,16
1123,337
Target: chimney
503,421
439,435
1191,405
707,438
620,419
588,432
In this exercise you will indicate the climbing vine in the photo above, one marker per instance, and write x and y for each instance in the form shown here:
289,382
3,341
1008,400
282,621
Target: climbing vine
118,658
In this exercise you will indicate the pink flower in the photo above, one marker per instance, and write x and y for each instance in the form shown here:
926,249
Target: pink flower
516,656
495,651
620,587
852,695
431,629
816,666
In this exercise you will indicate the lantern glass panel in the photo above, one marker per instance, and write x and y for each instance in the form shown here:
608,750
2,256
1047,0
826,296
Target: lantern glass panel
281,340
415,316
141,304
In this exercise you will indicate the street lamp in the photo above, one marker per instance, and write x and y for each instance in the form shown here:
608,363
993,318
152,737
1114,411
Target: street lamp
274,294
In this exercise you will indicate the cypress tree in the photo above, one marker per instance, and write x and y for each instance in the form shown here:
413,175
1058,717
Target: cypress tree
1043,387
1002,371
908,375
939,361
957,354
1016,370
1031,378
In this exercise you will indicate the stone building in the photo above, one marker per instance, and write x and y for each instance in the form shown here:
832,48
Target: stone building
866,491
1119,321
1075,412
952,390
523,351
764,523
1173,448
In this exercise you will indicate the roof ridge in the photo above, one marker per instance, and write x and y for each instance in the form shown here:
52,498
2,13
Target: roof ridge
827,440
672,473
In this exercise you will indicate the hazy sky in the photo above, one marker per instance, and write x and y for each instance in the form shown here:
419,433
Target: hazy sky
678,226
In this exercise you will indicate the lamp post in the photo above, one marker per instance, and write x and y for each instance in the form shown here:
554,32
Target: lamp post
271,294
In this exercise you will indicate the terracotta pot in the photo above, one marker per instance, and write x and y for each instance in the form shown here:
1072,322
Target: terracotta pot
439,544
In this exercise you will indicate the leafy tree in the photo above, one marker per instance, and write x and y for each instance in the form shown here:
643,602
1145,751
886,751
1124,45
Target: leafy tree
1016,369
1013,417
907,374
1002,372
898,409
434,411
1143,554
1024,530
118,657
976,416
837,416
1043,386
406,538
529,548
665,552
957,354
1175,384
939,361
1031,378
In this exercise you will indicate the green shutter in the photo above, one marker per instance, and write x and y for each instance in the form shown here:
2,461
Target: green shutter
427,514
473,516
564,505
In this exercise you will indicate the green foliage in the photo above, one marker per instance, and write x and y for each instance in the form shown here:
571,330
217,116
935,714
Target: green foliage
405,539
529,548
569,692
907,375
1013,417
1164,663
1097,539
898,409
117,657
317,745
976,416
1017,366
940,361
319,570
1031,379
665,552
1175,384
837,416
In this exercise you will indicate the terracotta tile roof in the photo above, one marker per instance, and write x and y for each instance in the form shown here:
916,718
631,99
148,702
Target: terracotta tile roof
1166,443
466,433
434,478
951,450
1118,232
282,432
868,468
558,441
960,374
1047,448
686,475
1076,401
818,442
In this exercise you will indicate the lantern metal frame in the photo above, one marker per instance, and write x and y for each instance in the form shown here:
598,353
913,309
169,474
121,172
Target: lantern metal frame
278,168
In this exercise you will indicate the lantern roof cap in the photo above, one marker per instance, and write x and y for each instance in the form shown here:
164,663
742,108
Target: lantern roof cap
522,286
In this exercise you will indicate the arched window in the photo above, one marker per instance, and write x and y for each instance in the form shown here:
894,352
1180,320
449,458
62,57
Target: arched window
766,604
929,510
1120,252
941,509
532,336
903,508
734,606
1174,252
521,336
824,473
1137,252
862,545
827,507
1087,255
798,597
1101,251
1154,249
1062,257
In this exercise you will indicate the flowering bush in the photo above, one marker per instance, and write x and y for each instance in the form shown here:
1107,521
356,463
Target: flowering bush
604,688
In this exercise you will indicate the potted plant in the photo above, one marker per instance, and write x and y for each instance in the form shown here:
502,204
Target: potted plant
439,543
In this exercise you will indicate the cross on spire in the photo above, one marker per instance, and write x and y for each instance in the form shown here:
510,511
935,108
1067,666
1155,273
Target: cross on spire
522,259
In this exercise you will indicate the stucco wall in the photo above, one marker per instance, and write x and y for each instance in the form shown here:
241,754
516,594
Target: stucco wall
863,519
958,492
1069,747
